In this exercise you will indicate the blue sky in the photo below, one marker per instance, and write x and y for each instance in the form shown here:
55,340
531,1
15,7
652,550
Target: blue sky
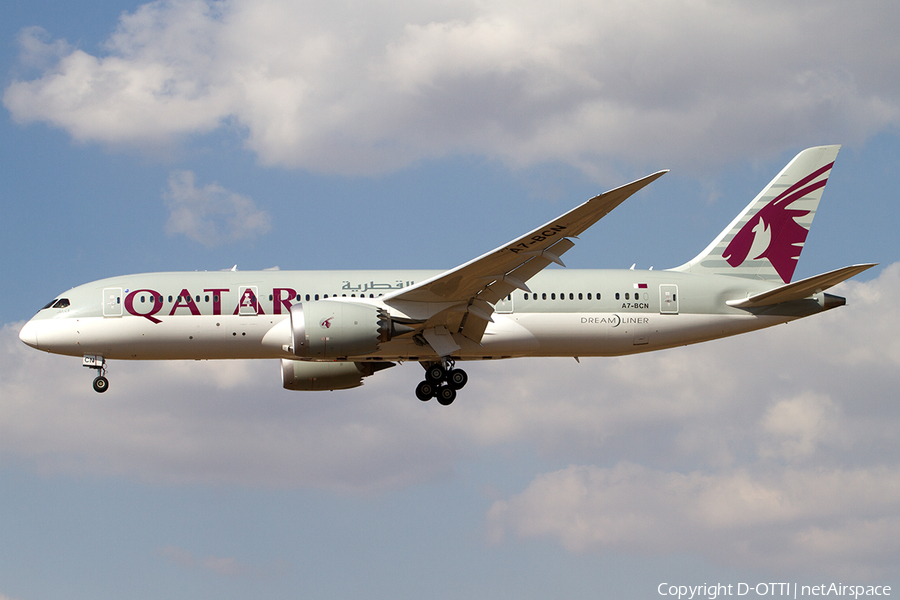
198,135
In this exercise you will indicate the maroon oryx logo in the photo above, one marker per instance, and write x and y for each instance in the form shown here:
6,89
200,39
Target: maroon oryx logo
325,323
773,232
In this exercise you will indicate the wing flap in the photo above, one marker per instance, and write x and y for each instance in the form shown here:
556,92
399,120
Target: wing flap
473,326
800,289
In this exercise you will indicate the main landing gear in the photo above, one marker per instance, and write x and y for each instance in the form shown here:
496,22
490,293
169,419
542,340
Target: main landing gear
441,382
98,363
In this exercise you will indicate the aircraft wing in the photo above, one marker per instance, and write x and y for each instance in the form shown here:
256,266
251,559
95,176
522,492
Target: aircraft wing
461,299
800,289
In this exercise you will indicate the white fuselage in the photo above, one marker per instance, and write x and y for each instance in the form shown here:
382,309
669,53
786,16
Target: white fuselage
238,315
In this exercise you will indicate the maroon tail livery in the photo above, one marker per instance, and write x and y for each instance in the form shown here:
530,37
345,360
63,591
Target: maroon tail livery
777,223
765,240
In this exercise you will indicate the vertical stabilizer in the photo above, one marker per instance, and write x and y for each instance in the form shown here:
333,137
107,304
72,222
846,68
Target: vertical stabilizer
765,240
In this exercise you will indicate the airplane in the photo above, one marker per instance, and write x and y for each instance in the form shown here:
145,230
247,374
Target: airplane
332,329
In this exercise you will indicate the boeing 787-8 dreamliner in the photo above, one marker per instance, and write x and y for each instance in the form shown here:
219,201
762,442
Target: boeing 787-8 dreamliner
331,329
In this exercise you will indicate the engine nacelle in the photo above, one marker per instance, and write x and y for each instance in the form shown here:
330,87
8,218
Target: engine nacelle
306,376
334,329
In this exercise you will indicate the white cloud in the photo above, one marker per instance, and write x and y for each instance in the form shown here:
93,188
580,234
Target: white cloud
708,406
753,450
840,522
36,49
362,87
211,215
796,427
779,450
218,422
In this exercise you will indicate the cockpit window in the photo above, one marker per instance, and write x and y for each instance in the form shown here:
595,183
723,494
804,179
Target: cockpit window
49,304
61,303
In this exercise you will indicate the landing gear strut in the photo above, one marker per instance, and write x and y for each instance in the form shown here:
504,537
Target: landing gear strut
98,363
441,382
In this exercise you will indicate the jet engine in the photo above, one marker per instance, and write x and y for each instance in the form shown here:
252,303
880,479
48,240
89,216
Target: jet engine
303,376
334,329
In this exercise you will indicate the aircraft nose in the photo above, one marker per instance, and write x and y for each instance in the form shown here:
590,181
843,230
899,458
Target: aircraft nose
28,334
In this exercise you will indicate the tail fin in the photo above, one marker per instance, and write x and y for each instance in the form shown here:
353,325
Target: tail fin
765,240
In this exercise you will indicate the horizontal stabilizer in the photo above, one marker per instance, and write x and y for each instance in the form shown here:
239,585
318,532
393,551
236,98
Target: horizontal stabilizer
800,289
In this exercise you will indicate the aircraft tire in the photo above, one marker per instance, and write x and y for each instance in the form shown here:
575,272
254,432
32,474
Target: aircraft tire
457,379
446,395
425,391
435,374
101,384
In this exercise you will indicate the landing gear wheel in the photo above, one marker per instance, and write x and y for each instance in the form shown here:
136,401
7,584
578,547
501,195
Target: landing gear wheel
457,379
435,373
446,395
101,384
425,391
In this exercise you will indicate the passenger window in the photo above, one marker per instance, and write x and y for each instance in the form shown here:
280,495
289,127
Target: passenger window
627,296
589,295
307,298
579,296
572,296
553,296
617,295
544,296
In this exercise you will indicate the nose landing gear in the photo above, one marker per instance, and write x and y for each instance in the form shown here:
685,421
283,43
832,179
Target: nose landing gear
442,382
98,363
